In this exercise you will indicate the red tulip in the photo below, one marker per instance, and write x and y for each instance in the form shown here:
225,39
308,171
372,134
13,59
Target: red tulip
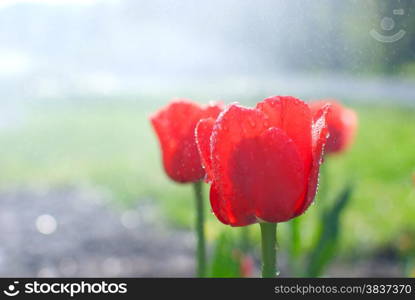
262,162
342,124
175,127
247,265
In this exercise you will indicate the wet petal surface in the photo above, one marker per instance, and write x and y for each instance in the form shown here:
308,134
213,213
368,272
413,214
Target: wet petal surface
175,125
233,126
268,171
203,133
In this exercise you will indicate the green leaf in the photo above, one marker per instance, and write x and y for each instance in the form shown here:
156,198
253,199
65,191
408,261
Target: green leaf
328,237
225,260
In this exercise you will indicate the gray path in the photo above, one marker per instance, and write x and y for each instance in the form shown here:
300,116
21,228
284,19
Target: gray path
69,232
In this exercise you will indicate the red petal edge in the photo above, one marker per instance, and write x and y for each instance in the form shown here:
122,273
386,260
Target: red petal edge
294,117
320,134
203,133
233,125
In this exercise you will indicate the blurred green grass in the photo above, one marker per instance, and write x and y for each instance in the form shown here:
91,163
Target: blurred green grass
112,146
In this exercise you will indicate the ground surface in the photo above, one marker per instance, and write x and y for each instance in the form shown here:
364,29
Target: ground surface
90,239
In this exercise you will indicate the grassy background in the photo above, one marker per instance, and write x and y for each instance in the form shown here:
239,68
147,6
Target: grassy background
110,145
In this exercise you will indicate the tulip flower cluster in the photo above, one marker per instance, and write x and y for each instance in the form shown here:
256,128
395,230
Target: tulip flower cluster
262,163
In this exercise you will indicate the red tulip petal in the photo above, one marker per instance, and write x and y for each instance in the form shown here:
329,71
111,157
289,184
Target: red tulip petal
212,110
216,203
268,171
335,142
175,125
235,125
350,121
319,138
203,132
294,117
342,124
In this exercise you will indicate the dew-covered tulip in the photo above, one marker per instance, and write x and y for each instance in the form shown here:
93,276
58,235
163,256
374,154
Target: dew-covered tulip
263,162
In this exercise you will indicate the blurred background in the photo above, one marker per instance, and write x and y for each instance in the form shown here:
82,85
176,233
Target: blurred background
82,189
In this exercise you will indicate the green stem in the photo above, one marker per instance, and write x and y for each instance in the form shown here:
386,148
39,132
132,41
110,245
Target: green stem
200,230
268,243
245,241
295,251
295,225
